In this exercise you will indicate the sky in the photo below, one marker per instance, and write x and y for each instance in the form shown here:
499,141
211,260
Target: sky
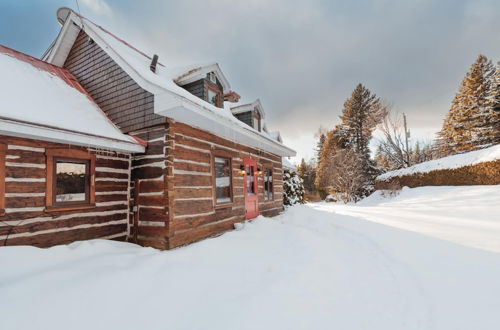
301,58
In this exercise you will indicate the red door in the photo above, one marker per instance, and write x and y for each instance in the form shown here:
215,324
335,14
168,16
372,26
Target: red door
251,189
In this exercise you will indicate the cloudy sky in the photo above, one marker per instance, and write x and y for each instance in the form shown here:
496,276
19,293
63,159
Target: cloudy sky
301,58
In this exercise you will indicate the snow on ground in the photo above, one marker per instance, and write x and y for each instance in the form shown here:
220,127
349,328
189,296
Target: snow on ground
317,266
450,162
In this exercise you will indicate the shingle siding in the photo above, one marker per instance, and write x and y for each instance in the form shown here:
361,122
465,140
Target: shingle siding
128,105
196,88
245,117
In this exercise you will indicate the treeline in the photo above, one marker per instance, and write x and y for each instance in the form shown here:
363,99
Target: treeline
344,166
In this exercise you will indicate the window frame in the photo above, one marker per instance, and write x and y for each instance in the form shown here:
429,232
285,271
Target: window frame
3,151
216,91
266,191
53,155
222,154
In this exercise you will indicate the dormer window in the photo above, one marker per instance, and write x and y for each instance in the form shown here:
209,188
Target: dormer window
214,96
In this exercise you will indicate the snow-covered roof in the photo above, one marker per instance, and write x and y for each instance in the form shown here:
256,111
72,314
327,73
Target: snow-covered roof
450,162
240,107
276,135
170,100
43,101
183,75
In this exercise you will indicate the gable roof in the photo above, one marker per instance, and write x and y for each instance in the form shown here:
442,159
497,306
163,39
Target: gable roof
170,100
184,75
40,100
241,107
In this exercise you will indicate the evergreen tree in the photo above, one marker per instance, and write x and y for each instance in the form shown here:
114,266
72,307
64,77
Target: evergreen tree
319,146
293,188
468,124
494,100
307,172
362,112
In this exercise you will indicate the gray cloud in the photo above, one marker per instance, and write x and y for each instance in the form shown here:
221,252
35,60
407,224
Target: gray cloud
303,58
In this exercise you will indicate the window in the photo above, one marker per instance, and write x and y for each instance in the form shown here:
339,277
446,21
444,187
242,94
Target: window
268,184
223,186
213,97
250,180
71,181
2,178
70,178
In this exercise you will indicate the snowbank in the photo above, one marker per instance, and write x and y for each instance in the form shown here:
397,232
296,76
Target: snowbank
450,162
313,267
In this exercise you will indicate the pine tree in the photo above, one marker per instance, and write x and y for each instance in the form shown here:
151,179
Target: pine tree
362,112
307,172
331,144
360,116
494,100
319,146
468,123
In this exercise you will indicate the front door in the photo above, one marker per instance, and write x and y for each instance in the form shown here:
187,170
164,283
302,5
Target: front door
251,189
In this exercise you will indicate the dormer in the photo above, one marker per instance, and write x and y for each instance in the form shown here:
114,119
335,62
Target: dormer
251,114
205,81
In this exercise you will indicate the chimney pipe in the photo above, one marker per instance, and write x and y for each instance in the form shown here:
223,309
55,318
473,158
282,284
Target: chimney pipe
154,61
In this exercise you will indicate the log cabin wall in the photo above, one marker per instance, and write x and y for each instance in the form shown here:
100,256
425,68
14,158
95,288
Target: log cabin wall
149,204
26,220
128,105
193,214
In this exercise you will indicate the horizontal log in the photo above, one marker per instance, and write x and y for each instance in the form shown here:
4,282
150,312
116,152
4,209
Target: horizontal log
65,237
192,180
199,233
110,198
152,186
147,172
183,207
112,163
181,153
149,214
21,202
183,166
156,200
25,187
145,161
104,186
193,193
24,172
77,220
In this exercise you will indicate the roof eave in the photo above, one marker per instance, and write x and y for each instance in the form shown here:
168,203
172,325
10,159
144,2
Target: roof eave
31,131
184,111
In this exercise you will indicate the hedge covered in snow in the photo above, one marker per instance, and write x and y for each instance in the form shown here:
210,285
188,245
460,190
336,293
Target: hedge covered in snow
447,163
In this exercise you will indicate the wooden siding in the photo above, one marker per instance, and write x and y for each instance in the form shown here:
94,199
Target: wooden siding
149,202
173,186
128,105
26,220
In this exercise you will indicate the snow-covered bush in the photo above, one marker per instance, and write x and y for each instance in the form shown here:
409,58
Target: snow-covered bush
293,188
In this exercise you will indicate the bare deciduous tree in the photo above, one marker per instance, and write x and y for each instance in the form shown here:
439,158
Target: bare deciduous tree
395,146
345,174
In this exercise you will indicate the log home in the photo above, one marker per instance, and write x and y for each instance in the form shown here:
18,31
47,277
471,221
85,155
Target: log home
175,165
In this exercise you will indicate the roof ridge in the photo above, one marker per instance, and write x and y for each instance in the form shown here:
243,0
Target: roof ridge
116,37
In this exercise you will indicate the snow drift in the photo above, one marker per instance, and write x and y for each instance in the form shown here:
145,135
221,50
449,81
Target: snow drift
317,266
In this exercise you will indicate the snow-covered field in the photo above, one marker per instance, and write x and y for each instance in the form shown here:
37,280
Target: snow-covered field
426,259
